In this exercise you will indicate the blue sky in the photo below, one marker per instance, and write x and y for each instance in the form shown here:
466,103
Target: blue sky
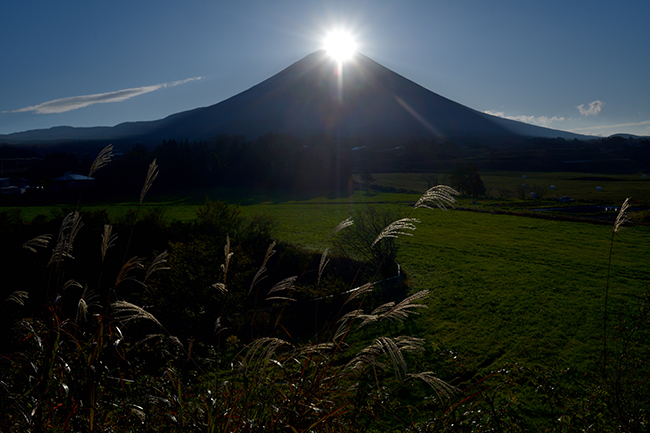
574,65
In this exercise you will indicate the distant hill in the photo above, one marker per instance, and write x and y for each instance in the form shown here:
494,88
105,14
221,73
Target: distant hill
310,98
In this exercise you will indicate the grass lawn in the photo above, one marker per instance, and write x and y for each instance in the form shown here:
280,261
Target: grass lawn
504,288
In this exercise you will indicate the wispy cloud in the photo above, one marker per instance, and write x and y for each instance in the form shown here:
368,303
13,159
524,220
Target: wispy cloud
594,108
533,120
620,125
75,102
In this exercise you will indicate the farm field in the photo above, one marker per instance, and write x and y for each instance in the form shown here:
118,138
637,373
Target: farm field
503,286
505,289
579,186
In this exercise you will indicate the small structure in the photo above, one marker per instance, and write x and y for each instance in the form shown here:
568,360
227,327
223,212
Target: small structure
16,185
523,176
599,188
552,186
72,181
533,195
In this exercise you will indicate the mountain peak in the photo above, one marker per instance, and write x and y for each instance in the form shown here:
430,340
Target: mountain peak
314,96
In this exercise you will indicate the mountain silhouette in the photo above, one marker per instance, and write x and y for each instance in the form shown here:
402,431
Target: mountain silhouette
314,97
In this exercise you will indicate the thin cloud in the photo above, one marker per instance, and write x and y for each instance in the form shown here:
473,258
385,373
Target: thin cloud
75,102
594,108
533,120
620,125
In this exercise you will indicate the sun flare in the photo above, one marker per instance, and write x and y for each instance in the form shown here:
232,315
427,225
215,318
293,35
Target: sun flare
340,45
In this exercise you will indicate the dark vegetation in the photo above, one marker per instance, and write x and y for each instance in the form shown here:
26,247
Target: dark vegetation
316,165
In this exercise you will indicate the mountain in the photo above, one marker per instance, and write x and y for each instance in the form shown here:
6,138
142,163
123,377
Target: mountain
313,97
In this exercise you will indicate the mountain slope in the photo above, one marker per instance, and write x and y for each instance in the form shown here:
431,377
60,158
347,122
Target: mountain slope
313,97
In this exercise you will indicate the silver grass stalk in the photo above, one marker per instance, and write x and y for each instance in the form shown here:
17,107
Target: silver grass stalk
69,228
396,228
128,270
102,159
18,296
158,264
224,267
343,224
345,322
323,262
40,241
441,196
401,311
173,340
127,312
150,337
108,240
369,355
439,386
259,276
218,328
265,348
228,256
622,217
152,174
71,283
316,348
88,299
356,292
286,284
220,287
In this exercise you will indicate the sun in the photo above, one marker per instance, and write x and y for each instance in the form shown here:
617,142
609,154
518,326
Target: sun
340,45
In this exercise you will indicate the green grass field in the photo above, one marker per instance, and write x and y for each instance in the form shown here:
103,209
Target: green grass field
579,186
505,288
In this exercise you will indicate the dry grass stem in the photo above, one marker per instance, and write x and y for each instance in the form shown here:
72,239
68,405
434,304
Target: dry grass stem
343,224
259,276
395,228
152,174
440,387
228,256
127,312
40,241
264,347
317,348
323,262
128,270
158,264
88,299
402,310
622,217
220,287
356,292
347,319
286,284
441,196
369,356
150,337
108,240
71,283
69,228
102,159
19,297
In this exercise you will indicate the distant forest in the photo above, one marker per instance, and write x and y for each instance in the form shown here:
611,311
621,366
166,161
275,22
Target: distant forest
315,165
